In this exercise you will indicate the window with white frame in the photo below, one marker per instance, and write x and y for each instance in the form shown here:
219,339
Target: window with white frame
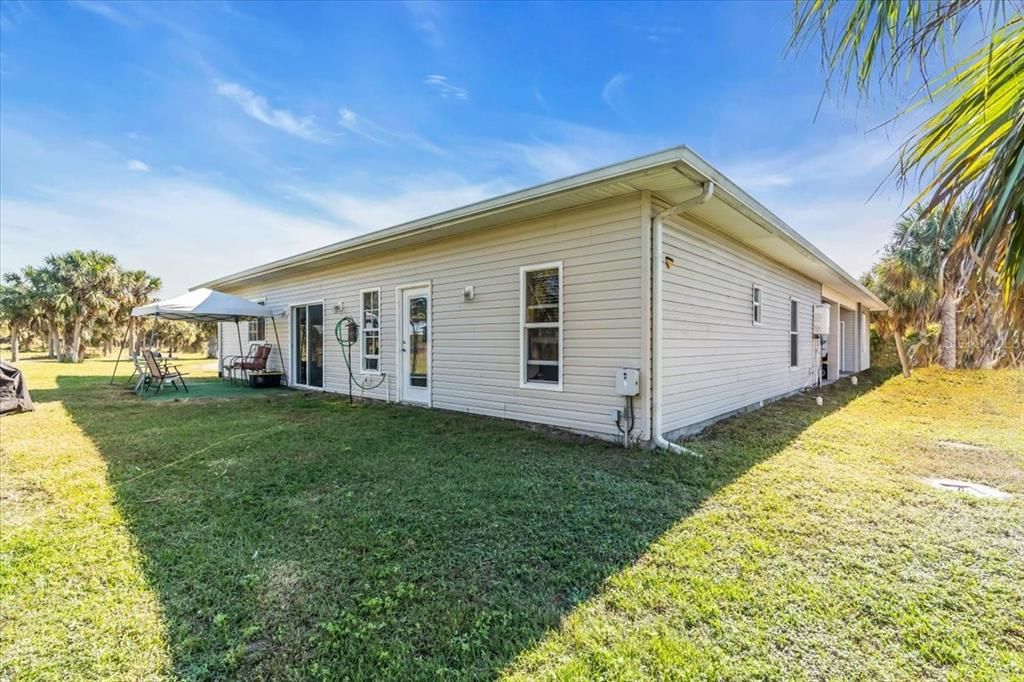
755,304
794,333
258,327
541,315
370,322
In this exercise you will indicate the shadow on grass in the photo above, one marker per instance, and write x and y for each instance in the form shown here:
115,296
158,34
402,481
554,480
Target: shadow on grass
300,537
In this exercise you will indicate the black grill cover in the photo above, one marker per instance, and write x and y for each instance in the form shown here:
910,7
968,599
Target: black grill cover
14,395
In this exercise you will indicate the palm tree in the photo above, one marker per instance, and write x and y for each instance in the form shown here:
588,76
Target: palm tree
972,148
138,287
16,309
923,243
909,297
86,287
924,278
43,290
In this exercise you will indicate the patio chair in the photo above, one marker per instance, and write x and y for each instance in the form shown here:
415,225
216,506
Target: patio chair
140,371
232,362
167,374
258,362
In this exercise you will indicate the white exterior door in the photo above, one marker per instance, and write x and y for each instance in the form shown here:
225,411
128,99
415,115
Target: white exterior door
414,340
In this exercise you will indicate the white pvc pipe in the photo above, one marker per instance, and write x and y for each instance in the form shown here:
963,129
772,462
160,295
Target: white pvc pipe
659,267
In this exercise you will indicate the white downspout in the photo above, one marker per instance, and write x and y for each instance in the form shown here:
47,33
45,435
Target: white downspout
659,267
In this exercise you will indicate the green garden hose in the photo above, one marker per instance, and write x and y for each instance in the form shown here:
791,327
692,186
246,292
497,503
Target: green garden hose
346,341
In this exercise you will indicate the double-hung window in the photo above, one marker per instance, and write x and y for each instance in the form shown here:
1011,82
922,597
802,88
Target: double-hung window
258,327
755,305
794,333
370,321
541,325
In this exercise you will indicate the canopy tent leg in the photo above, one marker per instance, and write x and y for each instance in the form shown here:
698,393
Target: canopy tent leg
241,352
280,355
121,350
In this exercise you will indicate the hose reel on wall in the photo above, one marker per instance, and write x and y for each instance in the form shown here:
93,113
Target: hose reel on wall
346,332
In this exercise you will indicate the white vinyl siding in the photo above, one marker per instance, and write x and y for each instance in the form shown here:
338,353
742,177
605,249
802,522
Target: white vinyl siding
476,351
715,361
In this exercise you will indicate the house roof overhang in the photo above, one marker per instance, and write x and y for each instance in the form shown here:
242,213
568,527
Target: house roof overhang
673,175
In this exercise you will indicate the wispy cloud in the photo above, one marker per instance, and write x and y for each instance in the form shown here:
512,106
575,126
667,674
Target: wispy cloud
660,33
612,88
352,122
102,9
446,88
844,158
139,166
560,148
830,193
539,97
13,14
400,200
258,108
210,220
375,132
426,16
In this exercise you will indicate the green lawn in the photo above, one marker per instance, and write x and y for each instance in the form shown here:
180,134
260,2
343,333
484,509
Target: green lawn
293,536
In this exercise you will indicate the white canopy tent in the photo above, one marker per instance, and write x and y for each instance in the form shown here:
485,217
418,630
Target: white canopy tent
204,305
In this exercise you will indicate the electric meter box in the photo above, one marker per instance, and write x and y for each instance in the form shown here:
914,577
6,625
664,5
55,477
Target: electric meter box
822,320
627,381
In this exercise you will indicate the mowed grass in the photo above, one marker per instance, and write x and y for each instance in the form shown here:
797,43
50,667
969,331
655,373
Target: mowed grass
296,537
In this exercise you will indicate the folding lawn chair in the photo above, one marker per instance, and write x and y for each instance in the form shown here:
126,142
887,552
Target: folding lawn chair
160,375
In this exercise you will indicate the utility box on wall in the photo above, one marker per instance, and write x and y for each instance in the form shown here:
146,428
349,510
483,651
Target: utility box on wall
822,320
627,381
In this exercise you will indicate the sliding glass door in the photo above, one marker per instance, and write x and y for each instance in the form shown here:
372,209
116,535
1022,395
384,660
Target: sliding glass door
308,344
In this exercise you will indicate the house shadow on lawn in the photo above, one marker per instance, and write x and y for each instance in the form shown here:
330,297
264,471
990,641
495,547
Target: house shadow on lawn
300,537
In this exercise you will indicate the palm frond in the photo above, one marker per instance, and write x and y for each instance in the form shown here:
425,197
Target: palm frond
972,148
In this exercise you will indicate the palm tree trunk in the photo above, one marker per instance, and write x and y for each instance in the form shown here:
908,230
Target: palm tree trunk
947,335
76,340
14,343
52,341
901,350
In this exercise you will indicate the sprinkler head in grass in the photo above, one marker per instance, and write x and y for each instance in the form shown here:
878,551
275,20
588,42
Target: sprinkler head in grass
819,400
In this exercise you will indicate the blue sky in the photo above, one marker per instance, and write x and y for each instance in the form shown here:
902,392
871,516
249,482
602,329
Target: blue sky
199,139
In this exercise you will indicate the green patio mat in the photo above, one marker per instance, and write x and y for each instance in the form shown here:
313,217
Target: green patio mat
212,388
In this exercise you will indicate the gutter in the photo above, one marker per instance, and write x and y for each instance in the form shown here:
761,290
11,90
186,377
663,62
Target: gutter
657,436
